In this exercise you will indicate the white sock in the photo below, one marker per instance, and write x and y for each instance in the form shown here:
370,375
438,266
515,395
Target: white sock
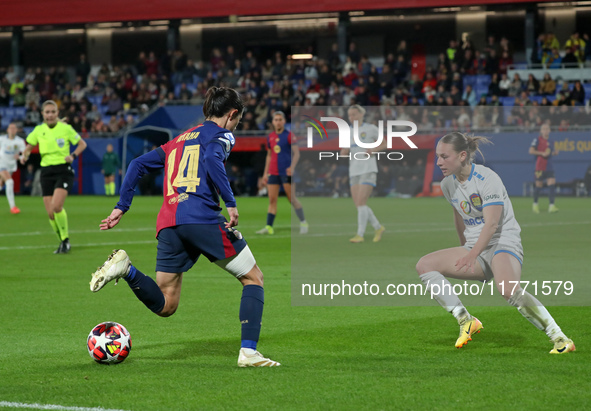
10,192
536,313
362,217
248,351
444,294
373,219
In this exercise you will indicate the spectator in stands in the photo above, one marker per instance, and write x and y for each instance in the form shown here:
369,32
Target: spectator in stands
587,53
504,62
4,97
577,47
538,50
516,86
577,94
569,59
533,85
493,86
469,96
554,60
547,86
550,43
19,99
452,50
114,105
83,69
353,53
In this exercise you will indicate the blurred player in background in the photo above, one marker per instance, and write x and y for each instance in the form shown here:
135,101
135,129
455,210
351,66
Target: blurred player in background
111,166
279,167
57,176
190,222
11,147
541,147
363,174
490,242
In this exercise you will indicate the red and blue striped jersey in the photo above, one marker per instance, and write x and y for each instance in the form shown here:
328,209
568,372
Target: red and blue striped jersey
541,144
280,146
194,176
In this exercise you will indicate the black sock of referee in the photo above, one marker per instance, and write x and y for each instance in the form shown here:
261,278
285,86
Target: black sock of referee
145,289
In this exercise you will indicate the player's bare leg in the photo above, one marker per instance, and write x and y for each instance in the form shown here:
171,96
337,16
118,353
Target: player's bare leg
6,177
273,192
433,270
297,206
507,271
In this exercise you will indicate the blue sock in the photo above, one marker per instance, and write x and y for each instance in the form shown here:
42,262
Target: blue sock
536,194
270,219
251,314
552,193
145,289
300,213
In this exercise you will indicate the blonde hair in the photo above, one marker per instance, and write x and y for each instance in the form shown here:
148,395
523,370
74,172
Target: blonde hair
49,102
358,108
462,142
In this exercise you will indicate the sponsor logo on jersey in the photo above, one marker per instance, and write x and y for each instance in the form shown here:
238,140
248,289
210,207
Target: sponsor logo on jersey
230,137
474,221
466,208
492,197
60,142
277,149
183,197
476,201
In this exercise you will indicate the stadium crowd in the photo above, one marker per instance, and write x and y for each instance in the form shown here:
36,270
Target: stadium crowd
106,99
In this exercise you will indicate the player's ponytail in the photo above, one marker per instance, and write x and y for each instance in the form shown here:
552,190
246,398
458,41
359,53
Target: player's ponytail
220,100
470,144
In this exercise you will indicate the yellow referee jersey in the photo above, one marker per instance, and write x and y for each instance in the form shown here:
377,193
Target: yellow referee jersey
54,143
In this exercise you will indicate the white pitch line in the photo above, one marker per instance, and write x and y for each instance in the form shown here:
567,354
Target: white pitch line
252,237
52,407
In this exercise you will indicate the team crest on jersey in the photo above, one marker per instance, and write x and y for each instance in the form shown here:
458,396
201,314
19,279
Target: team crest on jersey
476,201
466,208
363,135
60,142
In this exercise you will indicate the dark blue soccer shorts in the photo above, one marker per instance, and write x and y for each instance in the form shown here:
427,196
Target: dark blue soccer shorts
180,247
280,180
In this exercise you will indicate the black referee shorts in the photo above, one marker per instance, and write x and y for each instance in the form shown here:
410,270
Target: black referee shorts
52,177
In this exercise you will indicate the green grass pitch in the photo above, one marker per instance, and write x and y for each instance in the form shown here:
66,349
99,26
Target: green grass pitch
339,357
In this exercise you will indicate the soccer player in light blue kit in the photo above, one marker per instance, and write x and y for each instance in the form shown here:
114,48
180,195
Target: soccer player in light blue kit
190,223
490,242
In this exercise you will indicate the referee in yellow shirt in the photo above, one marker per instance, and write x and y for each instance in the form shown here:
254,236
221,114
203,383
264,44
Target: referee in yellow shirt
54,139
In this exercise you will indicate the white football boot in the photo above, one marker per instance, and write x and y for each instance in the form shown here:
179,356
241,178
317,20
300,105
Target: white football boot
116,267
246,359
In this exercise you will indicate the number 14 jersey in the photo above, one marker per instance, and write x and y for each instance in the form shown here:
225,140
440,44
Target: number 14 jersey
194,176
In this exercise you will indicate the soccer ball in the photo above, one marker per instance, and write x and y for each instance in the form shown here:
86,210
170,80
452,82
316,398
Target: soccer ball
109,343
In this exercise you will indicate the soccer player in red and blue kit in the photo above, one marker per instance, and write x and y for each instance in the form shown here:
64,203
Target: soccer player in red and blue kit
279,167
190,224
541,147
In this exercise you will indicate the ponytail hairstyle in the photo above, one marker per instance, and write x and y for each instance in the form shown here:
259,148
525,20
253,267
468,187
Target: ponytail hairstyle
220,100
470,144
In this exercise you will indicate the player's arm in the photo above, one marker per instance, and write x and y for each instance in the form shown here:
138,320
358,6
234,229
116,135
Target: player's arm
460,226
492,216
80,147
214,158
267,163
295,151
26,153
154,160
